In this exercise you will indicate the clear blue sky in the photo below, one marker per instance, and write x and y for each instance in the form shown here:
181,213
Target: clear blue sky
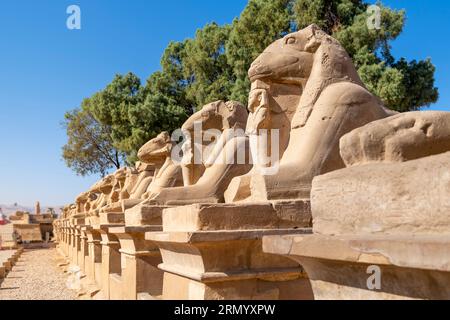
46,69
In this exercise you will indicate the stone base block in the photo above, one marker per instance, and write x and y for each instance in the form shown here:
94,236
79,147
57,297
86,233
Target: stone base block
391,198
342,267
139,263
112,218
248,216
142,215
115,287
227,265
251,289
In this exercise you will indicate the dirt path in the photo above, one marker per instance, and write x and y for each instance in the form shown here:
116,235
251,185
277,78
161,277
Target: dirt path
36,277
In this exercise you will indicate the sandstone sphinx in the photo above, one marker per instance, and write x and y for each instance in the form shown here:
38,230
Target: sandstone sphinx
128,189
168,173
156,152
220,166
103,190
387,211
306,86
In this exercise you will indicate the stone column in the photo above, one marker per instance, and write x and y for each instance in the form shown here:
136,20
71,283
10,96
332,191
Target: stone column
63,241
140,276
67,239
84,250
77,246
215,251
71,242
110,259
93,265
77,224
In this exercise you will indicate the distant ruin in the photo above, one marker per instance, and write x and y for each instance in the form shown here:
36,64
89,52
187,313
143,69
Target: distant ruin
24,227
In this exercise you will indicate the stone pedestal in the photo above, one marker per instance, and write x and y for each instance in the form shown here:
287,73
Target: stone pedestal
70,245
139,262
139,216
93,263
68,238
110,255
83,254
341,267
110,260
214,251
64,241
76,224
77,246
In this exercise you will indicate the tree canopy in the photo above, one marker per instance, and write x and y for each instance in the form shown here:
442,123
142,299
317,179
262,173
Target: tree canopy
213,65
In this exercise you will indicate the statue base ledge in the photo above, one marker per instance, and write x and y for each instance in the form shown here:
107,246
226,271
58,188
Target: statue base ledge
135,229
344,267
241,216
279,274
142,215
407,251
220,236
107,218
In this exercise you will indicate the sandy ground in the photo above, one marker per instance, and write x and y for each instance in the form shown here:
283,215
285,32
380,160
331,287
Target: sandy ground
36,277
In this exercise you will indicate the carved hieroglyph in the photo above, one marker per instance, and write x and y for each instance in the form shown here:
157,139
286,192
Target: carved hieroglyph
306,86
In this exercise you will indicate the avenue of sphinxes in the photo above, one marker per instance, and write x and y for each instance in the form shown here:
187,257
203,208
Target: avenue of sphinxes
308,192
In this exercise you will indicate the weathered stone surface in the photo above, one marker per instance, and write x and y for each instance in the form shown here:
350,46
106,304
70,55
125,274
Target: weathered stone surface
400,138
381,214
142,215
404,198
227,265
412,267
204,217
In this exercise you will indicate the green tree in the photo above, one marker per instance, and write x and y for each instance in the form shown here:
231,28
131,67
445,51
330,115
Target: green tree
206,67
110,107
403,86
261,23
90,148
160,111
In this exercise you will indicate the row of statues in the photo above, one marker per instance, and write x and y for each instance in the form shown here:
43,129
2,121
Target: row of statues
304,85
310,114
